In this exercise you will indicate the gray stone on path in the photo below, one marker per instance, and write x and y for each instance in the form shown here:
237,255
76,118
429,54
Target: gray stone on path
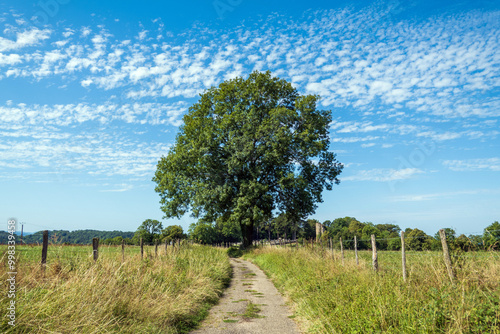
249,285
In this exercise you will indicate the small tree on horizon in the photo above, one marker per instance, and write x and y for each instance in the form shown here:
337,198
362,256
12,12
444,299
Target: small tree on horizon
149,231
172,232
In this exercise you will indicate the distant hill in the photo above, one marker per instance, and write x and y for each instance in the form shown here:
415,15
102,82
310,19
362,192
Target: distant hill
72,237
24,233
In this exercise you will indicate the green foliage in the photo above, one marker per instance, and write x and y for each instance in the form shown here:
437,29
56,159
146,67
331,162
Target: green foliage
70,237
387,235
285,225
203,233
172,232
149,231
348,227
208,233
491,236
450,239
116,241
417,240
234,251
249,147
308,229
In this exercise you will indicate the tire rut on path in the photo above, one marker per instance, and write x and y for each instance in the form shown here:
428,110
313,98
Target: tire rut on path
251,304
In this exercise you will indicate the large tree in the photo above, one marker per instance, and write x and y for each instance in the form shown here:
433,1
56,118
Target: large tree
246,149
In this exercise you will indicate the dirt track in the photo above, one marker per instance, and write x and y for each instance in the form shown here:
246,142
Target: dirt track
251,304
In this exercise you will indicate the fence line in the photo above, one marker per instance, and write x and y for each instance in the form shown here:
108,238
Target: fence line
54,250
48,251
448,257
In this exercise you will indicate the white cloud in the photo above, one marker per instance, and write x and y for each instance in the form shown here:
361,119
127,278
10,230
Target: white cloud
442,195
439,136
405,64
122,188
142,35
11,59
86,31
384,174
354,139
349,127
488,164
68,32
96,154
24,39
406,79
68,114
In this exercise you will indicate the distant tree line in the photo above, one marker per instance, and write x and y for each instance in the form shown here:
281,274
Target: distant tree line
81,237
387,235
151,231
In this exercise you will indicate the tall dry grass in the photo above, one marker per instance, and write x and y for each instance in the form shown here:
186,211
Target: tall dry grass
329,297
165,294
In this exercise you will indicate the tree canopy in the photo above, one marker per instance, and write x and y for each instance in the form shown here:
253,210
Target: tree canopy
149,231
172,232
248,148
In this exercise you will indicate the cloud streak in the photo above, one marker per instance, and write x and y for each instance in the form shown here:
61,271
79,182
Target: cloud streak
384,174
70,114
473,165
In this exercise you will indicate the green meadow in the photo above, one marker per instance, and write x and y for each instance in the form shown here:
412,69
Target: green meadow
330,297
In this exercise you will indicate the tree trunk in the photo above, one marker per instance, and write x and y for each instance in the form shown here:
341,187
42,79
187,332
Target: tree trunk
247,233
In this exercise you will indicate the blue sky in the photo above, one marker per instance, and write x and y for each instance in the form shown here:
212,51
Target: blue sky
92,94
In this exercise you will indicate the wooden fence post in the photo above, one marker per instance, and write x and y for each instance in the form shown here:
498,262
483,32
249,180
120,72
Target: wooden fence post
356,250
342,251
446,255
156,248
374,254
123,250
45,245
331,246
403,254
142,249
166,246
95,248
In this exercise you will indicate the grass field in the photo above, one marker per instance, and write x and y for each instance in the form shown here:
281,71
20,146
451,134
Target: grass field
328,297
165,294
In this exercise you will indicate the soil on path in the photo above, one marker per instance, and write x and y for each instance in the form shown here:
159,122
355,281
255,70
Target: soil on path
251,304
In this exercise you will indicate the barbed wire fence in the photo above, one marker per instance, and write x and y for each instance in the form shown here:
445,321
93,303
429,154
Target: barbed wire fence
442,248
53,252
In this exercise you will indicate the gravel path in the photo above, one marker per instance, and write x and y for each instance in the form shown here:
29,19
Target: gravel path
251,304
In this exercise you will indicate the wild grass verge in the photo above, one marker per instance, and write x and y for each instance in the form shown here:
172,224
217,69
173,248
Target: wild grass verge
329,297
169,293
